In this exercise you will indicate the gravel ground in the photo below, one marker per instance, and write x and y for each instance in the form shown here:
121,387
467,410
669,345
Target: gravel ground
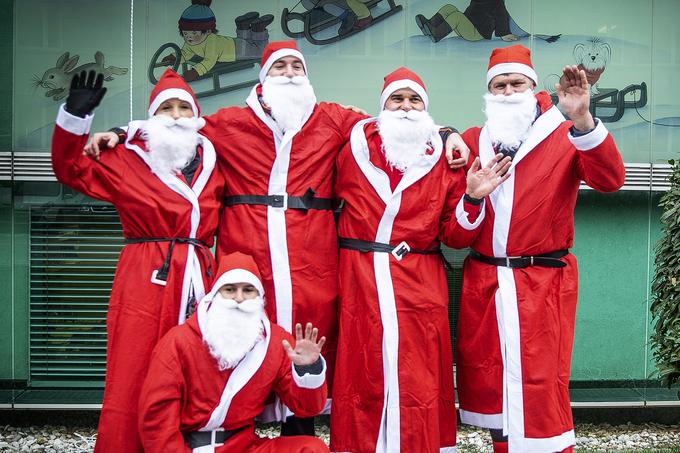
590,438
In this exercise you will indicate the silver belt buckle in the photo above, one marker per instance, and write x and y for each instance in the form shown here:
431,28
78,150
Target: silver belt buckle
401,250
284,196
508,258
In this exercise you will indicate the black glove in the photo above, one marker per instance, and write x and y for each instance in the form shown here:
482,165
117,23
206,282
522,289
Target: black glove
85,95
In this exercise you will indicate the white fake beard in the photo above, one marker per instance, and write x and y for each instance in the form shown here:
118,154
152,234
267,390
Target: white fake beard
289,99
405,136
509,118
171,144
231,329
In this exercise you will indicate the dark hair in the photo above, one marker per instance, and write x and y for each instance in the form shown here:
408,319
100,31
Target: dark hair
214,30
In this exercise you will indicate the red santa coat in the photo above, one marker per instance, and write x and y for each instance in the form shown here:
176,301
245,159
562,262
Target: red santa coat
296,250
516,326
186,392
140,311
394,381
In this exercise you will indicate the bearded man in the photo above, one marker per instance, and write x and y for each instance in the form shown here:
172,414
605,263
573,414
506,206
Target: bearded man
167,190
518,301
279,157
209,378
393,386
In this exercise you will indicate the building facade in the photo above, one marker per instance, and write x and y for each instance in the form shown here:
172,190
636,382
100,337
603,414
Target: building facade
58,249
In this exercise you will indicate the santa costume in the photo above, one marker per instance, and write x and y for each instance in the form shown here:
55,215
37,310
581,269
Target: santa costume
278,205
393,386
191,403
168,223
518,302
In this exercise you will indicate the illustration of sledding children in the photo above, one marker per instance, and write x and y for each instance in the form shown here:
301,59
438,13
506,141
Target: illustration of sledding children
203,47
482,19
354,14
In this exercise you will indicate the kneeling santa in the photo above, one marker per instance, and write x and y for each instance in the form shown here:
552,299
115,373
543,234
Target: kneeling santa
209,378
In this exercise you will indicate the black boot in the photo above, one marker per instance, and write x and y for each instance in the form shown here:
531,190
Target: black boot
261,23
424,25
243,21
435,28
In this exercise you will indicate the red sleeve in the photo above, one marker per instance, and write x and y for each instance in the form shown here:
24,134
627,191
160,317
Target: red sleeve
598,160
460,224
472,210
97,179
304,395
471,139
220,128
160,402
213,124
344,119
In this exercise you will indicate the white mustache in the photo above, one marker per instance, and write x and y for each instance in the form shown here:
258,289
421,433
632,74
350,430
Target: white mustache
247,306
283,80
515,98
192,123
413,115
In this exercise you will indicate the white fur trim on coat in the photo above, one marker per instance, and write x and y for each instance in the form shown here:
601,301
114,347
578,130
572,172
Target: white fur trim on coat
308,380
591,139
73,124
462,215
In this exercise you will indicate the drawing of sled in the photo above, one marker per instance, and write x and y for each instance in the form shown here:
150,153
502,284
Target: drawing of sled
315,20
214,73
611,98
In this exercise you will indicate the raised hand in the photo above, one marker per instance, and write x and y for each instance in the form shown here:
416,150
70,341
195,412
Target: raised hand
307,350
85,94
98,141
455,144
573,92
482,181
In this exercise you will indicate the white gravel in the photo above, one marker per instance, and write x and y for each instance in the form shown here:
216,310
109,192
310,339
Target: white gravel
589,438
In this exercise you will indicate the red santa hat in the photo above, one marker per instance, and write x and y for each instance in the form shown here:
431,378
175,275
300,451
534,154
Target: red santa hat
237,268
511,59
172,86
402,78
276,50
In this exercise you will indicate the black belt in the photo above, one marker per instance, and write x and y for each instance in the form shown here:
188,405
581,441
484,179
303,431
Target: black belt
198,439
398,251
305,202
551,259
160,276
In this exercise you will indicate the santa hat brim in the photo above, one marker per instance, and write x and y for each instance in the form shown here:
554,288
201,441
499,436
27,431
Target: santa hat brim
173,93
510,68
277,54
398,85
236,276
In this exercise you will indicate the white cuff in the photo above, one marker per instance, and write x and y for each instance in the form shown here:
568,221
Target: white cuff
462,215
490,421
310,381
73,124
591,139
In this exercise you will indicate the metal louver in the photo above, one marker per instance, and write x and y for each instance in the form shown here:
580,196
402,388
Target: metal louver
73,255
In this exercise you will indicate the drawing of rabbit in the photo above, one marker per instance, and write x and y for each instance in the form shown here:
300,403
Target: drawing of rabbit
58,79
